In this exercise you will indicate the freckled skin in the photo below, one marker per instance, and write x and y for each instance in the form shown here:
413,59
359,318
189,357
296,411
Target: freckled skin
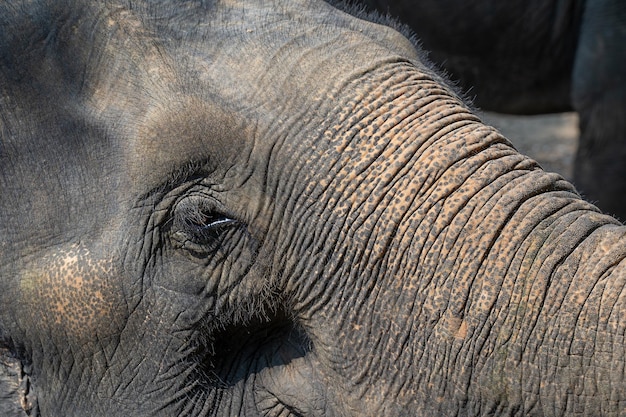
273,208
532,57
73,292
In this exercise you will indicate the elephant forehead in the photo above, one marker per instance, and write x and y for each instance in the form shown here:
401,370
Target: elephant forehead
70,290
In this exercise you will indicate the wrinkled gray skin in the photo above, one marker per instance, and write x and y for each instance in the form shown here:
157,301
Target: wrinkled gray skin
274,208
538,56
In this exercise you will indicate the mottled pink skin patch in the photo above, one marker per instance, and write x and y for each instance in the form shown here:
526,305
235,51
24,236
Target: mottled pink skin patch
71,291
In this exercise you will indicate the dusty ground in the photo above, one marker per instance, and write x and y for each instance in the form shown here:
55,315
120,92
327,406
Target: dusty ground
549,139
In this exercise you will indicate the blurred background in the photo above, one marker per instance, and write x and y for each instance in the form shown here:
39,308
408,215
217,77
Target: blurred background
550,139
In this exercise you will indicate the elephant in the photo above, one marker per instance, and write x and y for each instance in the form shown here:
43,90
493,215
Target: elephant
278,208
532,57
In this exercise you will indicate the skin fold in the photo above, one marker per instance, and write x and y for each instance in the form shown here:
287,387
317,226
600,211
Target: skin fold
275,208
532,57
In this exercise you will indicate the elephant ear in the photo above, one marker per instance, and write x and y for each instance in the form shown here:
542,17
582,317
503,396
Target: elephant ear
16,398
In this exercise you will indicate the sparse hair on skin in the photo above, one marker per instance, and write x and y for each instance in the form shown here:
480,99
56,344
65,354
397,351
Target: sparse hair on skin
361,11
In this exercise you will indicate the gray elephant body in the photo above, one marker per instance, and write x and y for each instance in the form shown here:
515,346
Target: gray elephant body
530,57
275,208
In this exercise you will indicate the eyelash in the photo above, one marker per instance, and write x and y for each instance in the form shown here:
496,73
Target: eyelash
204,227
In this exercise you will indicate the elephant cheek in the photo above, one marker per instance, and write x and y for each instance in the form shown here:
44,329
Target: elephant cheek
292,385
71,293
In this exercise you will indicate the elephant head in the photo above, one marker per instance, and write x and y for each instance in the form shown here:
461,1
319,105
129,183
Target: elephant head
277,208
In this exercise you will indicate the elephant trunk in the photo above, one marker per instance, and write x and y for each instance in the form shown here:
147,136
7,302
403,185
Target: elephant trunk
493,285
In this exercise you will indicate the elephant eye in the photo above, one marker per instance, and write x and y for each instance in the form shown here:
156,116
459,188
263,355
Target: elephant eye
199,226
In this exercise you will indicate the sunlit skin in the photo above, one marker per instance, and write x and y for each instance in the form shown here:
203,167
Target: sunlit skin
275,208
538,56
